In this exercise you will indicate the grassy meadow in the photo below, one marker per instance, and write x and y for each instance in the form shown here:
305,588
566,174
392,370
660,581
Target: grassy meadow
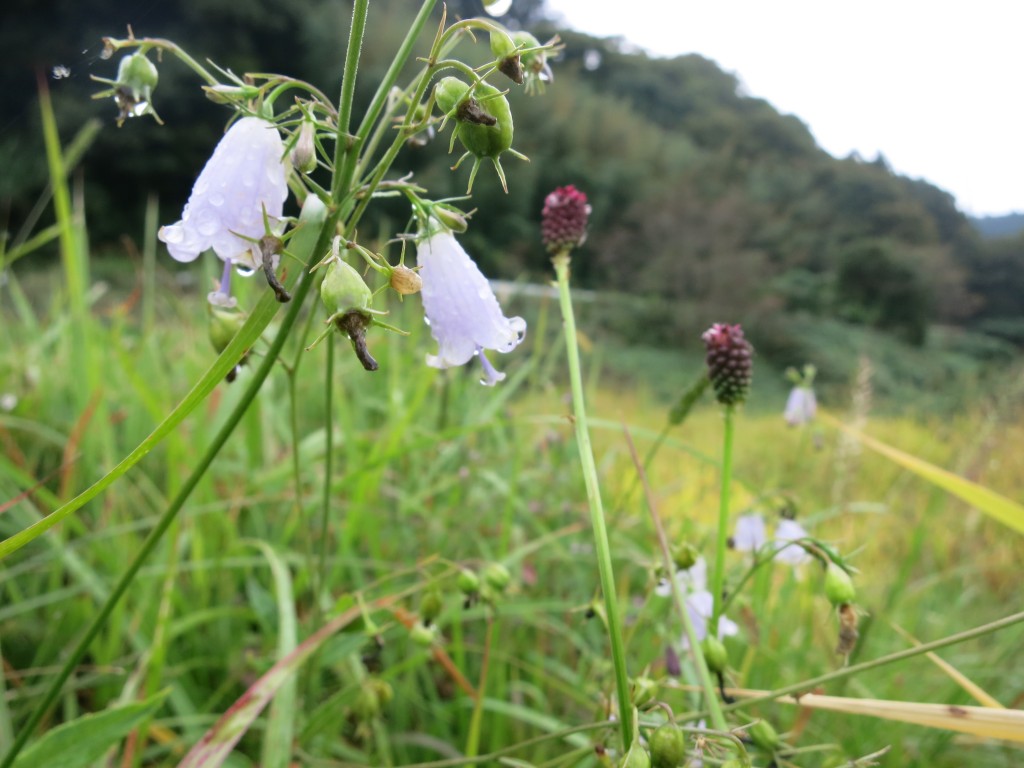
360,496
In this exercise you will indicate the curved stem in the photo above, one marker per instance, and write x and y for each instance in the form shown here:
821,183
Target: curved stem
597,522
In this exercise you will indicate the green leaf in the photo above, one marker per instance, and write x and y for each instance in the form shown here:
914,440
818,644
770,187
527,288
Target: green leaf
83,741
995,505
689,399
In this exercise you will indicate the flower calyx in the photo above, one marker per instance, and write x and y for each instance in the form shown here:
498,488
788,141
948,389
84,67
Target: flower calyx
137,78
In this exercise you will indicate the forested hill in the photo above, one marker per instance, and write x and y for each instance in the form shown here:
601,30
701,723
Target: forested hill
994,227
705,200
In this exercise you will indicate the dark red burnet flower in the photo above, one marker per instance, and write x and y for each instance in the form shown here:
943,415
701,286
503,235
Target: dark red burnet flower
563,222
730,362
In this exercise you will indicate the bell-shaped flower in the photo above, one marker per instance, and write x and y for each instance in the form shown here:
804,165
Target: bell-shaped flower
693,583
244,178
787,532
801,406
464,316
749,535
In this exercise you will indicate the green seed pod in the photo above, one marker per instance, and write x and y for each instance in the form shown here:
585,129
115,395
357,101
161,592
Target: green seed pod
668,747
535,61
504,49
139,74
468,582
423,635
224,324
448,92
764,736
637,757
431,604
715,655
497,576
839,587
489,140
344,289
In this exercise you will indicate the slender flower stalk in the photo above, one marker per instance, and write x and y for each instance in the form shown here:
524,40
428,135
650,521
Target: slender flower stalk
718,575
597,522
564,226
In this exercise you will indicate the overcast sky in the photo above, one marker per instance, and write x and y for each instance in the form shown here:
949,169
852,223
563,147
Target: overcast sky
937,87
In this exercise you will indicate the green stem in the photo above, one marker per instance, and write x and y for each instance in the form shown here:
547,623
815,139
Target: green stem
602,548
808,685
168,517
346,148
325,511
706,684
718,576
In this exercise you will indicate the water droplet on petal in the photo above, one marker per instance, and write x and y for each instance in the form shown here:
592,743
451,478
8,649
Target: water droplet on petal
216,199
497,7
244,270
171,234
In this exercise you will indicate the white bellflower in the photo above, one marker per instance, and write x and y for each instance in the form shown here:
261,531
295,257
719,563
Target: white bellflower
244,177
464,316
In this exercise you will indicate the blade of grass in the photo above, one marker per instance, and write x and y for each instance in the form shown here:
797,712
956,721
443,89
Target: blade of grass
995,505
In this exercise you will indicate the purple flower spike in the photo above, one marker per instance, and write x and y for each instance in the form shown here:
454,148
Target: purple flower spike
464,316
244,176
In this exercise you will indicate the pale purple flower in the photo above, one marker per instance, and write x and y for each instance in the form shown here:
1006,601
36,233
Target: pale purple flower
693,583
464,316
749,535
244,177
801,406
793,554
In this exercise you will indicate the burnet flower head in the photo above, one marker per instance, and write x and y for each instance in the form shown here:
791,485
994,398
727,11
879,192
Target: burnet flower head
461,309
243,182
693,582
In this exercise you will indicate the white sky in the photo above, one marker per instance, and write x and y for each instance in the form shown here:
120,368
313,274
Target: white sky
937,87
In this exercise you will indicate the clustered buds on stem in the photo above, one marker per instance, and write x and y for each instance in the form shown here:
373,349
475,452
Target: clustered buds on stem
730,363
564,219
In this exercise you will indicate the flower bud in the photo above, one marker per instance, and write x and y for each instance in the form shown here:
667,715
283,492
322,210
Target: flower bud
451,218
405,281
304,151
668,747
839,587
563,220
344,289
764,736
431,604
715,655
497,577
230,94
684,556
645,691
730,362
